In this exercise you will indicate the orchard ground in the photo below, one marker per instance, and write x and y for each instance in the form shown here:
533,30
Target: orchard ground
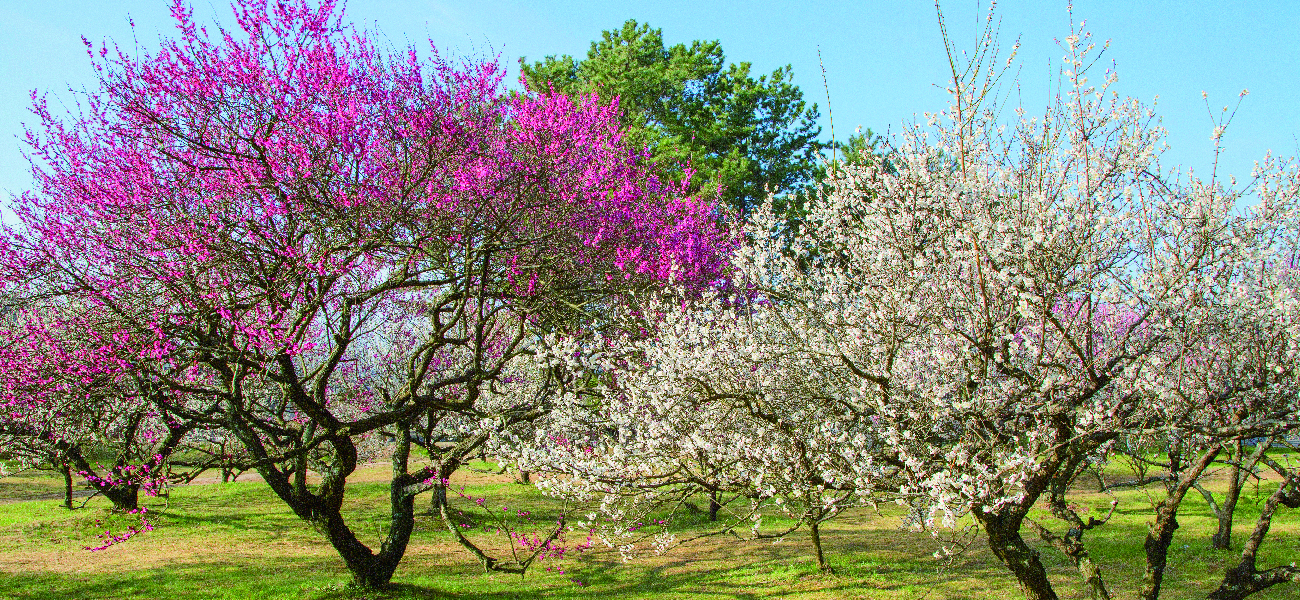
236,540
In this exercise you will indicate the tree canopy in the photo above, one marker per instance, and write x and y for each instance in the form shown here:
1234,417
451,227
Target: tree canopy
747,136
329,250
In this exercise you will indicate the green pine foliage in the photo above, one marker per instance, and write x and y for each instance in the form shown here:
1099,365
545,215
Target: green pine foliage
743,136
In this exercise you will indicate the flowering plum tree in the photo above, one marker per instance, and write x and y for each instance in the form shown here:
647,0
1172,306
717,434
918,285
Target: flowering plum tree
713,397
321,246
1057,292
68,404
991,311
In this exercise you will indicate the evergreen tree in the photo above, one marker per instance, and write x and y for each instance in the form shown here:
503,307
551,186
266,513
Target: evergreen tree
743,136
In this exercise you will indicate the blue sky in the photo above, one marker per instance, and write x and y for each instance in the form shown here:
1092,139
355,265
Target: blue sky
882,58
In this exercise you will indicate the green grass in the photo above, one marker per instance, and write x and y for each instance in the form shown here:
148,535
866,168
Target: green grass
31,483
237,540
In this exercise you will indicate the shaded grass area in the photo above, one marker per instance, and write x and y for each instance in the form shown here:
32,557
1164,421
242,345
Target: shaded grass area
237,540
30,483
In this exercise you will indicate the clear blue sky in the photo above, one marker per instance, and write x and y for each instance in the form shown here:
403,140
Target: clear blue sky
882,57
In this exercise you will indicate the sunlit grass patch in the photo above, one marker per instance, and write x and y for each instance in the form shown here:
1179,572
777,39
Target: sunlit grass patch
237,540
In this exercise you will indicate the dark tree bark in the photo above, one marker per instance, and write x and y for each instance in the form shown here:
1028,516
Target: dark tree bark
124,497
369,569
1245,578
1161,533
814,529
66,469
1003,532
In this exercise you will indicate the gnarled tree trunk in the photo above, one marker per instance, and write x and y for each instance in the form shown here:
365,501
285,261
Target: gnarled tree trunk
124,496
1003,531
1245,578
369,569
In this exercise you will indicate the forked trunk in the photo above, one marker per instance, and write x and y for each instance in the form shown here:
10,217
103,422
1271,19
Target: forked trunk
375,569
369,570
1003,532
323,507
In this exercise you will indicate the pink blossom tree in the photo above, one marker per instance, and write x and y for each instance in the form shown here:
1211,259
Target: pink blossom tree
323,246
69,404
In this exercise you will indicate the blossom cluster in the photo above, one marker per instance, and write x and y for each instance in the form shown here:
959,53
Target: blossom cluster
108,538
963,325
289,237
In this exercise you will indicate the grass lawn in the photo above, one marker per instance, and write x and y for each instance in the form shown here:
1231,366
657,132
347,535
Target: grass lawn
237,540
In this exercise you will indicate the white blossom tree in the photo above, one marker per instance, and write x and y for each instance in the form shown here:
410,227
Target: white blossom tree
714,397
973,325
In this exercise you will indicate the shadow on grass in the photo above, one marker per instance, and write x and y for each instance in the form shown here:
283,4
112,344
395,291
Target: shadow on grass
268,523
755,575
270,578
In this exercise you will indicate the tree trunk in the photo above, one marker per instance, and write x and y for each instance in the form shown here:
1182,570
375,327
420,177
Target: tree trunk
67,485
446,467
1245,578
1003,532
369,569
439,498
1071,545
124,497
714,506
814,528
1243,466
1156,545
1092,576
323,506
1161,534
1222,539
